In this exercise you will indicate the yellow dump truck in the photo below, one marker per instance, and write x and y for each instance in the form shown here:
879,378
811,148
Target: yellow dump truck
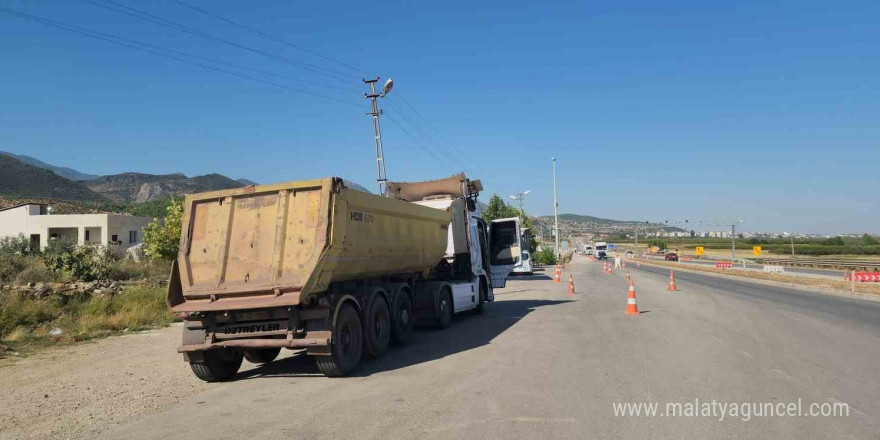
339,272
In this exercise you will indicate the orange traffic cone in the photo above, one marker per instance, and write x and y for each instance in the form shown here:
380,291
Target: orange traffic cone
631,308
558,274
671,287
610,268
570,285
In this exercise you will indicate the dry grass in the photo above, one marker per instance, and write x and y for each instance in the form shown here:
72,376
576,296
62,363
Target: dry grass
25,322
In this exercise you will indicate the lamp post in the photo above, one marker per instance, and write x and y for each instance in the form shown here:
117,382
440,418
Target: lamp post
375,112
556,213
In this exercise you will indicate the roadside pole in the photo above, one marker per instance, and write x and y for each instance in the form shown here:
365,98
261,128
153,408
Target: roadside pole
556,215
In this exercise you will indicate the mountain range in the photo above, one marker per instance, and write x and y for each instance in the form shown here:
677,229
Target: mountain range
27,179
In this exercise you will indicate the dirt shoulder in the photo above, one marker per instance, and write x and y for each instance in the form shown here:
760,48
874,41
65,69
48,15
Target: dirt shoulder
80,390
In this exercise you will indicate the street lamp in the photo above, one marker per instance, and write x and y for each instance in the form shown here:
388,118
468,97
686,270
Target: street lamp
556,213
521,197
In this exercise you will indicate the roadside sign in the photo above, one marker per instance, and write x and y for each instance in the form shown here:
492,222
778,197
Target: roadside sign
756,250
699,250
610,246
724,264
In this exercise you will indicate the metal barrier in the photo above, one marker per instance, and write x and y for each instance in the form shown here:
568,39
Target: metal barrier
825,263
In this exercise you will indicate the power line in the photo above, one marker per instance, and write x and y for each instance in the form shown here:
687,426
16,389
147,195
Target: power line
269,36
132,44
146,16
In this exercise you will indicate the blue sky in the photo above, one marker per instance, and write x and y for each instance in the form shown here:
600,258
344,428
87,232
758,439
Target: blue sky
760,111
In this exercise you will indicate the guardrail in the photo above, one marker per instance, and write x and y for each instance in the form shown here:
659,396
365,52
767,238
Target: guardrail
824,263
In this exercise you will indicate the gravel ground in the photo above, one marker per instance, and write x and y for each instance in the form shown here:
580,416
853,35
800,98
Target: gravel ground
80,390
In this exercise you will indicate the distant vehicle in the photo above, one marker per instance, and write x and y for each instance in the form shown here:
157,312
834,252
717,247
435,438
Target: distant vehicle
629,254
672,256
588,250
601,255
601,249
524,266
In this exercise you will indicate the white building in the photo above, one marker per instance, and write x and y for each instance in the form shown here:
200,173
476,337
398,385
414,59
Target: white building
34,221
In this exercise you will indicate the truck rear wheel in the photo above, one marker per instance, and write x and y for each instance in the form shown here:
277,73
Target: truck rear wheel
218,365
444,308
261,355
347,346
402,321
377,334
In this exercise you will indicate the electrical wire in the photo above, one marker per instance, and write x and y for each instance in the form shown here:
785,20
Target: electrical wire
269,36
146,16
143,47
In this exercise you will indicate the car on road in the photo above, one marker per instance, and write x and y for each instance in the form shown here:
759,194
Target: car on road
672,256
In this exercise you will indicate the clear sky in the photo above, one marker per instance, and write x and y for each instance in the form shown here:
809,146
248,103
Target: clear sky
762,111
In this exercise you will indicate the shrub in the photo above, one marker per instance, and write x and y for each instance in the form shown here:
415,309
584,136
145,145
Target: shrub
18,245
11,265
545,256
87,263
37,272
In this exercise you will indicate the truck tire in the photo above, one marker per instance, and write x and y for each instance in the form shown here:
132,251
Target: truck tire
261,355
403,319
218,365
347,345
444,308
377,328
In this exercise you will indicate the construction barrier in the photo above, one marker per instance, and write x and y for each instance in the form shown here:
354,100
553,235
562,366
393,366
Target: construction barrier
686,258
777,269
724,264
863,277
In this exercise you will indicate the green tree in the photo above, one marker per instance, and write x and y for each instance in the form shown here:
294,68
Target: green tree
546,256
498,209
869,240
834,241
162,239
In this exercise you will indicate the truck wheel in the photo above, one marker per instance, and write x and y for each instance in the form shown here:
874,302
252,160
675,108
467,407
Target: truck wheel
377,332
261,355
218,365
444,309
347,346
402,324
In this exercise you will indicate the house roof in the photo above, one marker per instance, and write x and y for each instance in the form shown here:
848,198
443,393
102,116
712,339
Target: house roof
22,204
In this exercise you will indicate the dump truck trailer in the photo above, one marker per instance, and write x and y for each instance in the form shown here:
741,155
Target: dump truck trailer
338,272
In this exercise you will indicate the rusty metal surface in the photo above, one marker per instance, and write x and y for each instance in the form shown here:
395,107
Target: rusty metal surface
312,339
294,239
238,303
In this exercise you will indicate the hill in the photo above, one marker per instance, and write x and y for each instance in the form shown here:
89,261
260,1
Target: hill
22,181
139,188
67,173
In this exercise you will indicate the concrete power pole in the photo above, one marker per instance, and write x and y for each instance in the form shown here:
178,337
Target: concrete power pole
381,174
556,213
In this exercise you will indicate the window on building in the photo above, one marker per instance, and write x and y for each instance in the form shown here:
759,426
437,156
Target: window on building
87,235
114,238
132,236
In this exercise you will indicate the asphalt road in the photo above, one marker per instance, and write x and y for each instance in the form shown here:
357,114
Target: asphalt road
542,364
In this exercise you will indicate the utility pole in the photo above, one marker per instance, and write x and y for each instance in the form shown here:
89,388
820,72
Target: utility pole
521,198
381,175
792,246
556,213
733,240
